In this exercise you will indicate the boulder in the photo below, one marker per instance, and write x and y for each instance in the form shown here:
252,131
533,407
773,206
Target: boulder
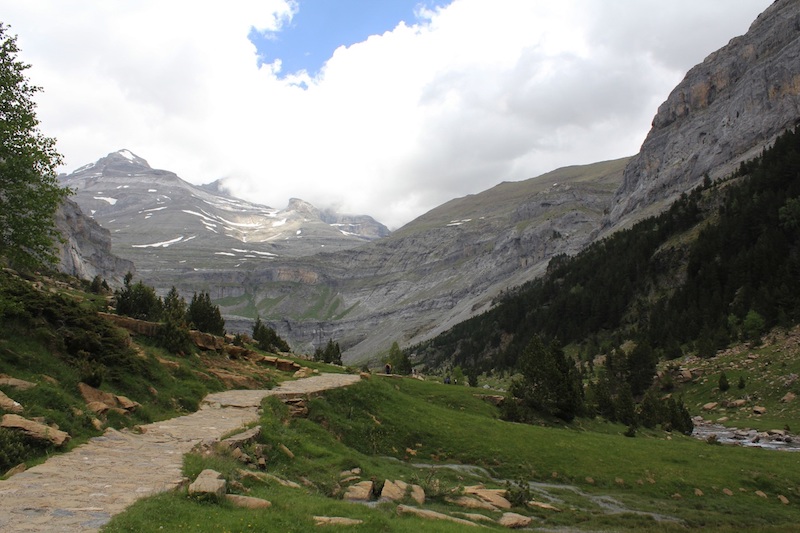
542,505
496,497
736,404
514,520
35,430
286,365
242,439
336,521
247,502
469,502
20,384
359,492
7,404
94,397
208,483
206,341
788,397
759,410
710,406
391,491
433,515
783,499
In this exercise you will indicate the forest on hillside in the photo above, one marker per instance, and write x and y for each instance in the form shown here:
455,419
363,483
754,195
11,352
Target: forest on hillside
722,264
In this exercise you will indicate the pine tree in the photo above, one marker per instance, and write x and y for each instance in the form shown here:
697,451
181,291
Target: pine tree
204,315
29,190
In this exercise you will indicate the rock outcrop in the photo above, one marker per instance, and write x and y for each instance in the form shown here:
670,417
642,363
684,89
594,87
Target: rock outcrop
724,111
86,250
35,430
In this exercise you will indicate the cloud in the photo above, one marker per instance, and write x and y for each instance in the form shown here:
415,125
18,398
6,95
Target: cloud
475,93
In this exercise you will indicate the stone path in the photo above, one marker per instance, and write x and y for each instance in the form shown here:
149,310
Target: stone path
81,490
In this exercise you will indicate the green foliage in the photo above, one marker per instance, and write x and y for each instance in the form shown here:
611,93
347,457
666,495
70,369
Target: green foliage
204,315
550,383
29,190
331,354
138,301
267,339
173,333
399,360
723,382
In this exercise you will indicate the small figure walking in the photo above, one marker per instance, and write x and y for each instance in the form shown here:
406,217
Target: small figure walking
388,368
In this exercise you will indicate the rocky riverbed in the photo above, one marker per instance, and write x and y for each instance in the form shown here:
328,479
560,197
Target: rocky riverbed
774,439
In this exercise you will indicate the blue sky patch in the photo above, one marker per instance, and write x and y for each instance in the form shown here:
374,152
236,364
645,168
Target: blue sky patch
321,26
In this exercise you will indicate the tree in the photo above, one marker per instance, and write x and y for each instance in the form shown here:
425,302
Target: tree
267,339
138,300
29,190
399,360
331,354
204,315
550,383
173,334
723,382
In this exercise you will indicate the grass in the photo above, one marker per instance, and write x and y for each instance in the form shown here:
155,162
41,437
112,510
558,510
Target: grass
446,437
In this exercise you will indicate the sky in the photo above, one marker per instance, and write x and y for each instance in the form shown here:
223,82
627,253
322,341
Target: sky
380,107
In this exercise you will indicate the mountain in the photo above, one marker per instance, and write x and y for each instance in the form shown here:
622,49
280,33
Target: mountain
437,270
726,110
162,223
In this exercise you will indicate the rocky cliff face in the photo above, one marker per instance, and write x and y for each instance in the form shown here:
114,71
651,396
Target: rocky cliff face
436,271
725,110
86,250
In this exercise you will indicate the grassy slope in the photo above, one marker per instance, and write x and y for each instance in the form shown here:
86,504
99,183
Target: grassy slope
386,426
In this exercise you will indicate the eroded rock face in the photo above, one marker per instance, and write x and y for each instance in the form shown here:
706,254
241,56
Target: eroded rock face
724,111
86,252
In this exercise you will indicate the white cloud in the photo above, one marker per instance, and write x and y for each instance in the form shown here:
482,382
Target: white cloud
482,91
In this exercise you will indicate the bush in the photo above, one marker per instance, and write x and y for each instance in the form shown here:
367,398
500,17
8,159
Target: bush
723,382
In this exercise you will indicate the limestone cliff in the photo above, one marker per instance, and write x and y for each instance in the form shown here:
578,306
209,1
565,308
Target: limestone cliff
725,110
86,249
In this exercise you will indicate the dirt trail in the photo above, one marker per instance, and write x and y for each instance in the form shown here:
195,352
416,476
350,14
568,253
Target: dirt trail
81,490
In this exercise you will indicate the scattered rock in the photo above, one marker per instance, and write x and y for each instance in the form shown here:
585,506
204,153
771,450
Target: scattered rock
206,341
759,410
514,520
677,496
7,404
698,492
286,451
392,491
242,439
433,515
101,402
16,470
710,406
475,517
35,430
336,521
760,494
542,505
298,407
360,491
472,503
788,397
590,480
496,497
784,500
619,481
303,372
20,384
208,483
727,492
248,502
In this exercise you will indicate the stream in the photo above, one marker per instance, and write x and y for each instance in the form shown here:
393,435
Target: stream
769,440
